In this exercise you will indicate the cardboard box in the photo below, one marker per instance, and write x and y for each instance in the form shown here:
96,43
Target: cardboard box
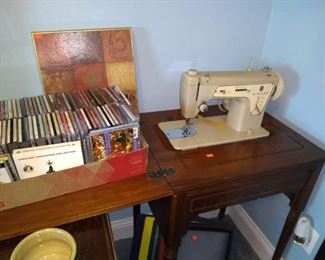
47,186
97,63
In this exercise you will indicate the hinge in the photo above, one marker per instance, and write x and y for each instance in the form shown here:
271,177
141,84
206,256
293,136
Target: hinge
162,172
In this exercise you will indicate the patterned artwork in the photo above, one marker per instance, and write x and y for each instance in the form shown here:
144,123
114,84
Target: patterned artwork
84,59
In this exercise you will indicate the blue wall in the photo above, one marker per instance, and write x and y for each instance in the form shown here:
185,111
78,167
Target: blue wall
295,45
169,38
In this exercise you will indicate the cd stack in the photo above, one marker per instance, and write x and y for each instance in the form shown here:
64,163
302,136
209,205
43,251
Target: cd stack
100,119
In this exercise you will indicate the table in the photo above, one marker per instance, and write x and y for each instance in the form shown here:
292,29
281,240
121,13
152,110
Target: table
284,162
83,205
220,176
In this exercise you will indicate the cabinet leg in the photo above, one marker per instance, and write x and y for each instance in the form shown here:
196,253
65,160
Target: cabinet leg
222,212
297,207
136,212
177,227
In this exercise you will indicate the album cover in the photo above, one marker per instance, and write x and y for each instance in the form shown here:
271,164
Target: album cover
3,135
0,130
12,134
5,175
114,141
58,134
104,118
19,109
25,133
9,129
100,121
63,126
35,161
9,114
41,104
22,107
7,168
42,140
2,109
111,115
14,108
34,104
75,135
30,106
46,128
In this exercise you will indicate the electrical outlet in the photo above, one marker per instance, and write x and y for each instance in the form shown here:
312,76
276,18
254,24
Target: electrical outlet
308,247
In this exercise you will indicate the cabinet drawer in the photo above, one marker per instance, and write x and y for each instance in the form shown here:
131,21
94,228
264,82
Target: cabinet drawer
214,196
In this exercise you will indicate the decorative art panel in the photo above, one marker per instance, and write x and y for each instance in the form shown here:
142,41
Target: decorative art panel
82,59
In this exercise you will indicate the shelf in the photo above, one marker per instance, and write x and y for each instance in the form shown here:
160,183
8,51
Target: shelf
83,204
91,235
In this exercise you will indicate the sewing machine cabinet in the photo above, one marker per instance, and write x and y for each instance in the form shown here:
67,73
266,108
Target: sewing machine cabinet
224,175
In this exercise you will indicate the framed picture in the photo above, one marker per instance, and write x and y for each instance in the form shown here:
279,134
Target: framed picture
83,59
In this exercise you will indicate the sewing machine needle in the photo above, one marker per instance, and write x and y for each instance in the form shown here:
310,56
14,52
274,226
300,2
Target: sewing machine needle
186,131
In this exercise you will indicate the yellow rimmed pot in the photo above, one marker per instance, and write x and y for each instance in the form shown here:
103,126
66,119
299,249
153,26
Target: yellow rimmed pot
49,244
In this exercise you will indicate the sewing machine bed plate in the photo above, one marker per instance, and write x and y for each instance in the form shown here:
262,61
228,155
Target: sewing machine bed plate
210,131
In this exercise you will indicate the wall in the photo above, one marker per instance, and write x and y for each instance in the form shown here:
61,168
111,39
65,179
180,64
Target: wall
169,37
295,46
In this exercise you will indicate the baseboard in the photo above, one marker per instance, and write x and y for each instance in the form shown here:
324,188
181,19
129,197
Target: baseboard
122,228
210,214
252,233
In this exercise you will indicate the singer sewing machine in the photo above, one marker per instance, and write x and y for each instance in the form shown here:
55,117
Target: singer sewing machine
244,94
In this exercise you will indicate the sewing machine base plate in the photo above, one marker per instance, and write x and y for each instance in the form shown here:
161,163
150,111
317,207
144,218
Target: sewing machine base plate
210,131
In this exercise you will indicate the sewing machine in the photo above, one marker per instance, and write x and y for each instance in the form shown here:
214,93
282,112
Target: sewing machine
244,95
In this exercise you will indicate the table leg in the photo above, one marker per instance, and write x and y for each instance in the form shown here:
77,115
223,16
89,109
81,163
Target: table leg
136,212
178,225
296,208
222,213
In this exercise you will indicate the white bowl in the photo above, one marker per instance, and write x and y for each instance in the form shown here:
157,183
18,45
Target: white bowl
49,244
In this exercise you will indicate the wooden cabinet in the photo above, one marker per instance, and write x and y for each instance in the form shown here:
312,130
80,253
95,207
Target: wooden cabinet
223,175
82,213
285,162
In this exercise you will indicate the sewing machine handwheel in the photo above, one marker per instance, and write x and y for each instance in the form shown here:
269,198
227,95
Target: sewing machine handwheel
279,88
203,107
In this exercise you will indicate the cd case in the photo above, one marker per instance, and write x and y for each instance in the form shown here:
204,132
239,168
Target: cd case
7,169
35,161
113,141
75,179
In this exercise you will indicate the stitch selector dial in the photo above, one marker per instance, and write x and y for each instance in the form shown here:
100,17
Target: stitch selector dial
203,107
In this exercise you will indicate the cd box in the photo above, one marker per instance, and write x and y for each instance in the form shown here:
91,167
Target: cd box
112,169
